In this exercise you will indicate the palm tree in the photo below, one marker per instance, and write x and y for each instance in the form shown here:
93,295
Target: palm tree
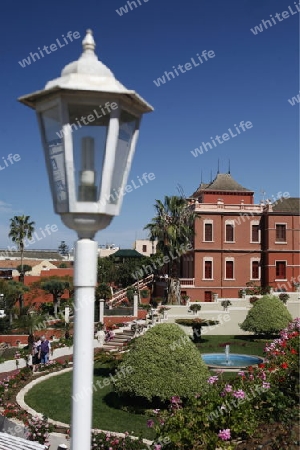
20,229
173,228
103,291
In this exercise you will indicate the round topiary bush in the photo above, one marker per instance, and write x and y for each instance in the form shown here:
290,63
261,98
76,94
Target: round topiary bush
162,363
267,316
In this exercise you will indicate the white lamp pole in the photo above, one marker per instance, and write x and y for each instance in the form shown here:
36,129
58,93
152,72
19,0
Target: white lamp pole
85,279
89,126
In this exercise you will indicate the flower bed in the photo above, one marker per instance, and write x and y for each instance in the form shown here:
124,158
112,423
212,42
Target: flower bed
230,412
219,417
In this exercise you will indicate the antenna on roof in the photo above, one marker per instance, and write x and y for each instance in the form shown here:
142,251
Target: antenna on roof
211,176
263,192
218,166
229,166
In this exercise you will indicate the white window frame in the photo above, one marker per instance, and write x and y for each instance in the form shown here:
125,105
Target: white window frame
259,269
232,260
230,222
255,222
281,242
206,259
211,222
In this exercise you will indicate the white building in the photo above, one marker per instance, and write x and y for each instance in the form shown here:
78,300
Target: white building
145,246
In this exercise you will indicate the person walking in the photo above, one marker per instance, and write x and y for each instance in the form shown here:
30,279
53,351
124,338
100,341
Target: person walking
36,358
45,350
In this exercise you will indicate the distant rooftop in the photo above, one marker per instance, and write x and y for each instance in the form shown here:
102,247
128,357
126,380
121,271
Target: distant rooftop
288,205
128,253
32,254
222,182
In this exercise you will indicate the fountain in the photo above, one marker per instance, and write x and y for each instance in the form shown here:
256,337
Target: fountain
227,353
229,361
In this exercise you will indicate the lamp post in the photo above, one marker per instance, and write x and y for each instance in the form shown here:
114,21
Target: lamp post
89,125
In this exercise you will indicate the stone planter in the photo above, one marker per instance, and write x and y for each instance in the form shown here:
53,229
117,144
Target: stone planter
215,297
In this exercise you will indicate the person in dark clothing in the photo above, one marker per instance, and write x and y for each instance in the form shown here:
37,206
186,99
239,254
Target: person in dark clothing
45,350
36,358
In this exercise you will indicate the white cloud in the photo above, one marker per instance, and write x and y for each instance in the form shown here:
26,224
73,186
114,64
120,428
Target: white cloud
5,207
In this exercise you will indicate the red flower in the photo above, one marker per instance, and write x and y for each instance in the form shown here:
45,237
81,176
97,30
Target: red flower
284,365
262,366
250,369
271,369
294,352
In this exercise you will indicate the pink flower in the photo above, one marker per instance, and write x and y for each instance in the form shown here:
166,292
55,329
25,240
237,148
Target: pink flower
212,380
228,388
239,394
150,423
266,385
224,434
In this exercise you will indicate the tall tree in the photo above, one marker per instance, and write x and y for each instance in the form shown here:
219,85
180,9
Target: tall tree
55,286
21,228
63,249
13,291
173,228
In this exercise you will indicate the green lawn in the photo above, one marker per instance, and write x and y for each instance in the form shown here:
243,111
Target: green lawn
53,398
247,345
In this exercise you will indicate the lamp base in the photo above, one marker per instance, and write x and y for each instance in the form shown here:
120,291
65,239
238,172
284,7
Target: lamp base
86,225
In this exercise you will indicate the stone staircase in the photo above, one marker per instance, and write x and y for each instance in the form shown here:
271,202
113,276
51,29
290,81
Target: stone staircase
119,296
118,343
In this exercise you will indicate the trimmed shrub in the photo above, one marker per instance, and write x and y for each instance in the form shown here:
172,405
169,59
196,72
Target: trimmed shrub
268,316
226,303
162,363
195,307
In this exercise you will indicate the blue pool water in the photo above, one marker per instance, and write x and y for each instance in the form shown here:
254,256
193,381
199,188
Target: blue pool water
235,360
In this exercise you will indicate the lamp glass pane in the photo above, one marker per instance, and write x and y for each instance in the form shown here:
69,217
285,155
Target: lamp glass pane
54,152
89,126
128,124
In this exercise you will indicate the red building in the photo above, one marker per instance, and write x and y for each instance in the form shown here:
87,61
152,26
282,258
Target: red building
237,241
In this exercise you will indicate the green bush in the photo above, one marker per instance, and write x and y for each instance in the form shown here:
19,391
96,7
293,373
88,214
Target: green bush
144,293
195,307
162,363
268,316
283,297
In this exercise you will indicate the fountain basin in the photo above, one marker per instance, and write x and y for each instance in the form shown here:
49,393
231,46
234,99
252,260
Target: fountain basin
236,361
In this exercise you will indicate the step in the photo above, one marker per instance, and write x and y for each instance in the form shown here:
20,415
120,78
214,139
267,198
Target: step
121,341
114,343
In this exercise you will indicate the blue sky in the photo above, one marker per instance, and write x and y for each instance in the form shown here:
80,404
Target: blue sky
250,78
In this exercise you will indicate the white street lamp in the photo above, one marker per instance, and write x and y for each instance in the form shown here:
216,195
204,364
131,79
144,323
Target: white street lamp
89,126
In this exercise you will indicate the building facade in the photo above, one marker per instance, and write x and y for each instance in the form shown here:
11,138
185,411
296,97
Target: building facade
237,241
145,246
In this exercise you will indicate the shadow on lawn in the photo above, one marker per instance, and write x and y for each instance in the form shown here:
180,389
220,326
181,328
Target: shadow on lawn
134,405
103,371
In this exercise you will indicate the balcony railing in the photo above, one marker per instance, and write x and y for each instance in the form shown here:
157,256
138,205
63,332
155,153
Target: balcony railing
242,208
187,282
